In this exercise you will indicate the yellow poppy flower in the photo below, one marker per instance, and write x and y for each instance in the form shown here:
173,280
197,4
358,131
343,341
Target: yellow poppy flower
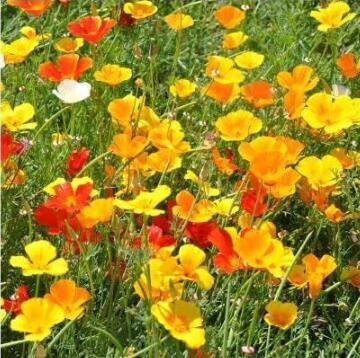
301,79
281,314
140,9
17,119
222,70
238,125
164,160
98,211
169,134
146,202
69,44
69,297
37,317
113,74
191,257
249,60
126,146
333,16
331,114
182,88
320,173
40,260
18,50
183,320
225,207
178,21
233,40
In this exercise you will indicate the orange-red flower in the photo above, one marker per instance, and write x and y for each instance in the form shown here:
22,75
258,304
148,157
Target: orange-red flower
69,66
76,161
13,304
91,28
258,93
224,164
347,65
31,7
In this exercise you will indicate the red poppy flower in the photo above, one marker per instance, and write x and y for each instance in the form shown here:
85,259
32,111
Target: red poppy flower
252,202
156,239
69,66
9,146
31,7
164,221
227,260
14,303
76,161
200,233
126,19
50,217
91,28
68,199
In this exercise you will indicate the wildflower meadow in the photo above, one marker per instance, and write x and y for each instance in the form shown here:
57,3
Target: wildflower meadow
180,178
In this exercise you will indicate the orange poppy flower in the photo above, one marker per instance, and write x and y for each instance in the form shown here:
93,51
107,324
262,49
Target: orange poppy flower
69,66
187,208
229,16
222,92
294,103
352,275
31,7
280,314
347,65
126,146
258,93
316,271
91,28
224,165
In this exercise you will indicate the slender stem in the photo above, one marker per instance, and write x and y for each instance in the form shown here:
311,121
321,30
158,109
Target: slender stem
12,343
139,353
353,349
308,319
56,338
107,334
226,324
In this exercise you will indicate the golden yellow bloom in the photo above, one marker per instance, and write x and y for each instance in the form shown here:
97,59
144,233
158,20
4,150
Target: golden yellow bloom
320,173
31,34
233,40
98,211
164,160
140,9
225,207
249,60
18,50
191,258
69,44
169,134
178,21
229,16
281,314
238,125
17,119
37,317
69,297
40,260
301,79
317,270
58,139
331,114
183,320
333,16
13,175
334,214
348,159
113,74
222,70
187,208
183,88
146,202
126,146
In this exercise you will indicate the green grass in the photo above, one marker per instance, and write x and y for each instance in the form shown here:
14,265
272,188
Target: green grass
116,321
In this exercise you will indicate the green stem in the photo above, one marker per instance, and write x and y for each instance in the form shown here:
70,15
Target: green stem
107,334
91,163
226,324
12,343
61,332
307,323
